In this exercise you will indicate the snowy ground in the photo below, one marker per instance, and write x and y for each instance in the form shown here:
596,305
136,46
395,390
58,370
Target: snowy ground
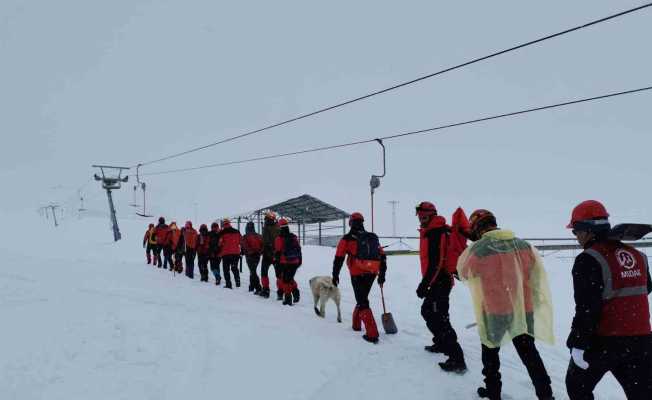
83,318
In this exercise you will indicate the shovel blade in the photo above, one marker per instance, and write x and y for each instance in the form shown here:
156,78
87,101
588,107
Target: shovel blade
630,232
388,324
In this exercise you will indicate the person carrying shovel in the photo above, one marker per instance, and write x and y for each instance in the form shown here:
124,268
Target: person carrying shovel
366,261
511,300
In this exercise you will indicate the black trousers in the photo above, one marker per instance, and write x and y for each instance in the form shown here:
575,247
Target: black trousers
230,264
190,263
629,359
252,263
264,268
202,263
157,255
530,357
434,311
167,257
361,287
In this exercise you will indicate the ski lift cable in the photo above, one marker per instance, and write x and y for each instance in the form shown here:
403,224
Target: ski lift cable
405,134
402,84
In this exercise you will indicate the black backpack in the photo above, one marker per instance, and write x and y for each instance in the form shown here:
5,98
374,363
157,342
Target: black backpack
292,249
368,246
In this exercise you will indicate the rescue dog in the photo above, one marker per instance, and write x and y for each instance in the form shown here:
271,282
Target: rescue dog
323,289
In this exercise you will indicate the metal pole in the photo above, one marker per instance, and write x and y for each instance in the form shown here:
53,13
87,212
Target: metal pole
54,215
343,226
320,233
372,210
394,203
114,219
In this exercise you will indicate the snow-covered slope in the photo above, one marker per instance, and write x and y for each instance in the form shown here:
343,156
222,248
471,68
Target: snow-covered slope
84,318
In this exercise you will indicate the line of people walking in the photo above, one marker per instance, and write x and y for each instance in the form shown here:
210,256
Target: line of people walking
512,302
277,247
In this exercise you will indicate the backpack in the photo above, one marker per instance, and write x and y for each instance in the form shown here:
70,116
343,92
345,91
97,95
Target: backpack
453,244
292,249
368,254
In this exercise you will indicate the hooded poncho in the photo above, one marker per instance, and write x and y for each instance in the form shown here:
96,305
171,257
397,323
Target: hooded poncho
509,287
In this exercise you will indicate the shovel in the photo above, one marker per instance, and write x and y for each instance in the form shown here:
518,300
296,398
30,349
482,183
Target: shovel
388,320
630,232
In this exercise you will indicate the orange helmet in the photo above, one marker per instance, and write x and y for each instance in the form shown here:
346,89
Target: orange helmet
282,222
479,220
589,210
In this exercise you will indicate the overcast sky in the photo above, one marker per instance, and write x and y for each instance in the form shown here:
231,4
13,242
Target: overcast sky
123,82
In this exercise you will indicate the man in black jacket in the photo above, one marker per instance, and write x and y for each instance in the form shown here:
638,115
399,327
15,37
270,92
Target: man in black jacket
611,328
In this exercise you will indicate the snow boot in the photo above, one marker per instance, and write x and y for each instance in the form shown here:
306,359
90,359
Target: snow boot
264,293
453,365
484,393
371,329
218,281
149,259
356,323
279,295
373,340
257,291
296,295
287,300
434,348
228,285
251,288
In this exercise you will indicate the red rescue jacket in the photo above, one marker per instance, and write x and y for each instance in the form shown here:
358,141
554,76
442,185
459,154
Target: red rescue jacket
279,249
348,247
162,232
625,307
190,236
229,241
252,244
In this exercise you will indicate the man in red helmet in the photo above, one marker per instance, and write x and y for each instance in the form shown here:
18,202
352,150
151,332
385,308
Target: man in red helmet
190,239
288,259
611,327
161,233
511,299
435,288
366,260
214,251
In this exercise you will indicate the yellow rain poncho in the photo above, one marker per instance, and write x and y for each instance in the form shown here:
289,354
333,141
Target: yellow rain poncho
510,291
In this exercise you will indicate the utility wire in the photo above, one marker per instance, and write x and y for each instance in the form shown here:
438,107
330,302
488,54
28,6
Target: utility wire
409,133
400,85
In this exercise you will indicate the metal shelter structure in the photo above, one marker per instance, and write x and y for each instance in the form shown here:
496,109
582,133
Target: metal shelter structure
308,213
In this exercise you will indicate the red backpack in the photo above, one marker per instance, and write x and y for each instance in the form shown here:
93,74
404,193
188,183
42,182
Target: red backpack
253,243
452,245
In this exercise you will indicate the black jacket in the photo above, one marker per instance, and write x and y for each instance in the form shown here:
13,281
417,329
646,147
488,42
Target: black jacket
588,286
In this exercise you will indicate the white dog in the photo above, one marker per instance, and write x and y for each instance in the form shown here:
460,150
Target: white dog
323,289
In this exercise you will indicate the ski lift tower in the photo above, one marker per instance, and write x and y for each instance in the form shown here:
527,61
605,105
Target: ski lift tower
109,183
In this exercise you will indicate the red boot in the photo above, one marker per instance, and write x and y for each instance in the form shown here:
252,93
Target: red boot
357,323
370,325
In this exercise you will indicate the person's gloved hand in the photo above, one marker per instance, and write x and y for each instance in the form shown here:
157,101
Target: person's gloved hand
422,289
336,280
381,279
578,358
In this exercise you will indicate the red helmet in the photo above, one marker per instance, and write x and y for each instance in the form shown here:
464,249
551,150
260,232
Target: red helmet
188,224
481,219
356,216
588,210
426,208
282,222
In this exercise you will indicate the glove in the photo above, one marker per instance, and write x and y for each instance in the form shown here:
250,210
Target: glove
336,280
578,358
381,279
422,289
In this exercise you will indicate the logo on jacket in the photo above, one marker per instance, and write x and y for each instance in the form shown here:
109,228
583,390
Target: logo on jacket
625,259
